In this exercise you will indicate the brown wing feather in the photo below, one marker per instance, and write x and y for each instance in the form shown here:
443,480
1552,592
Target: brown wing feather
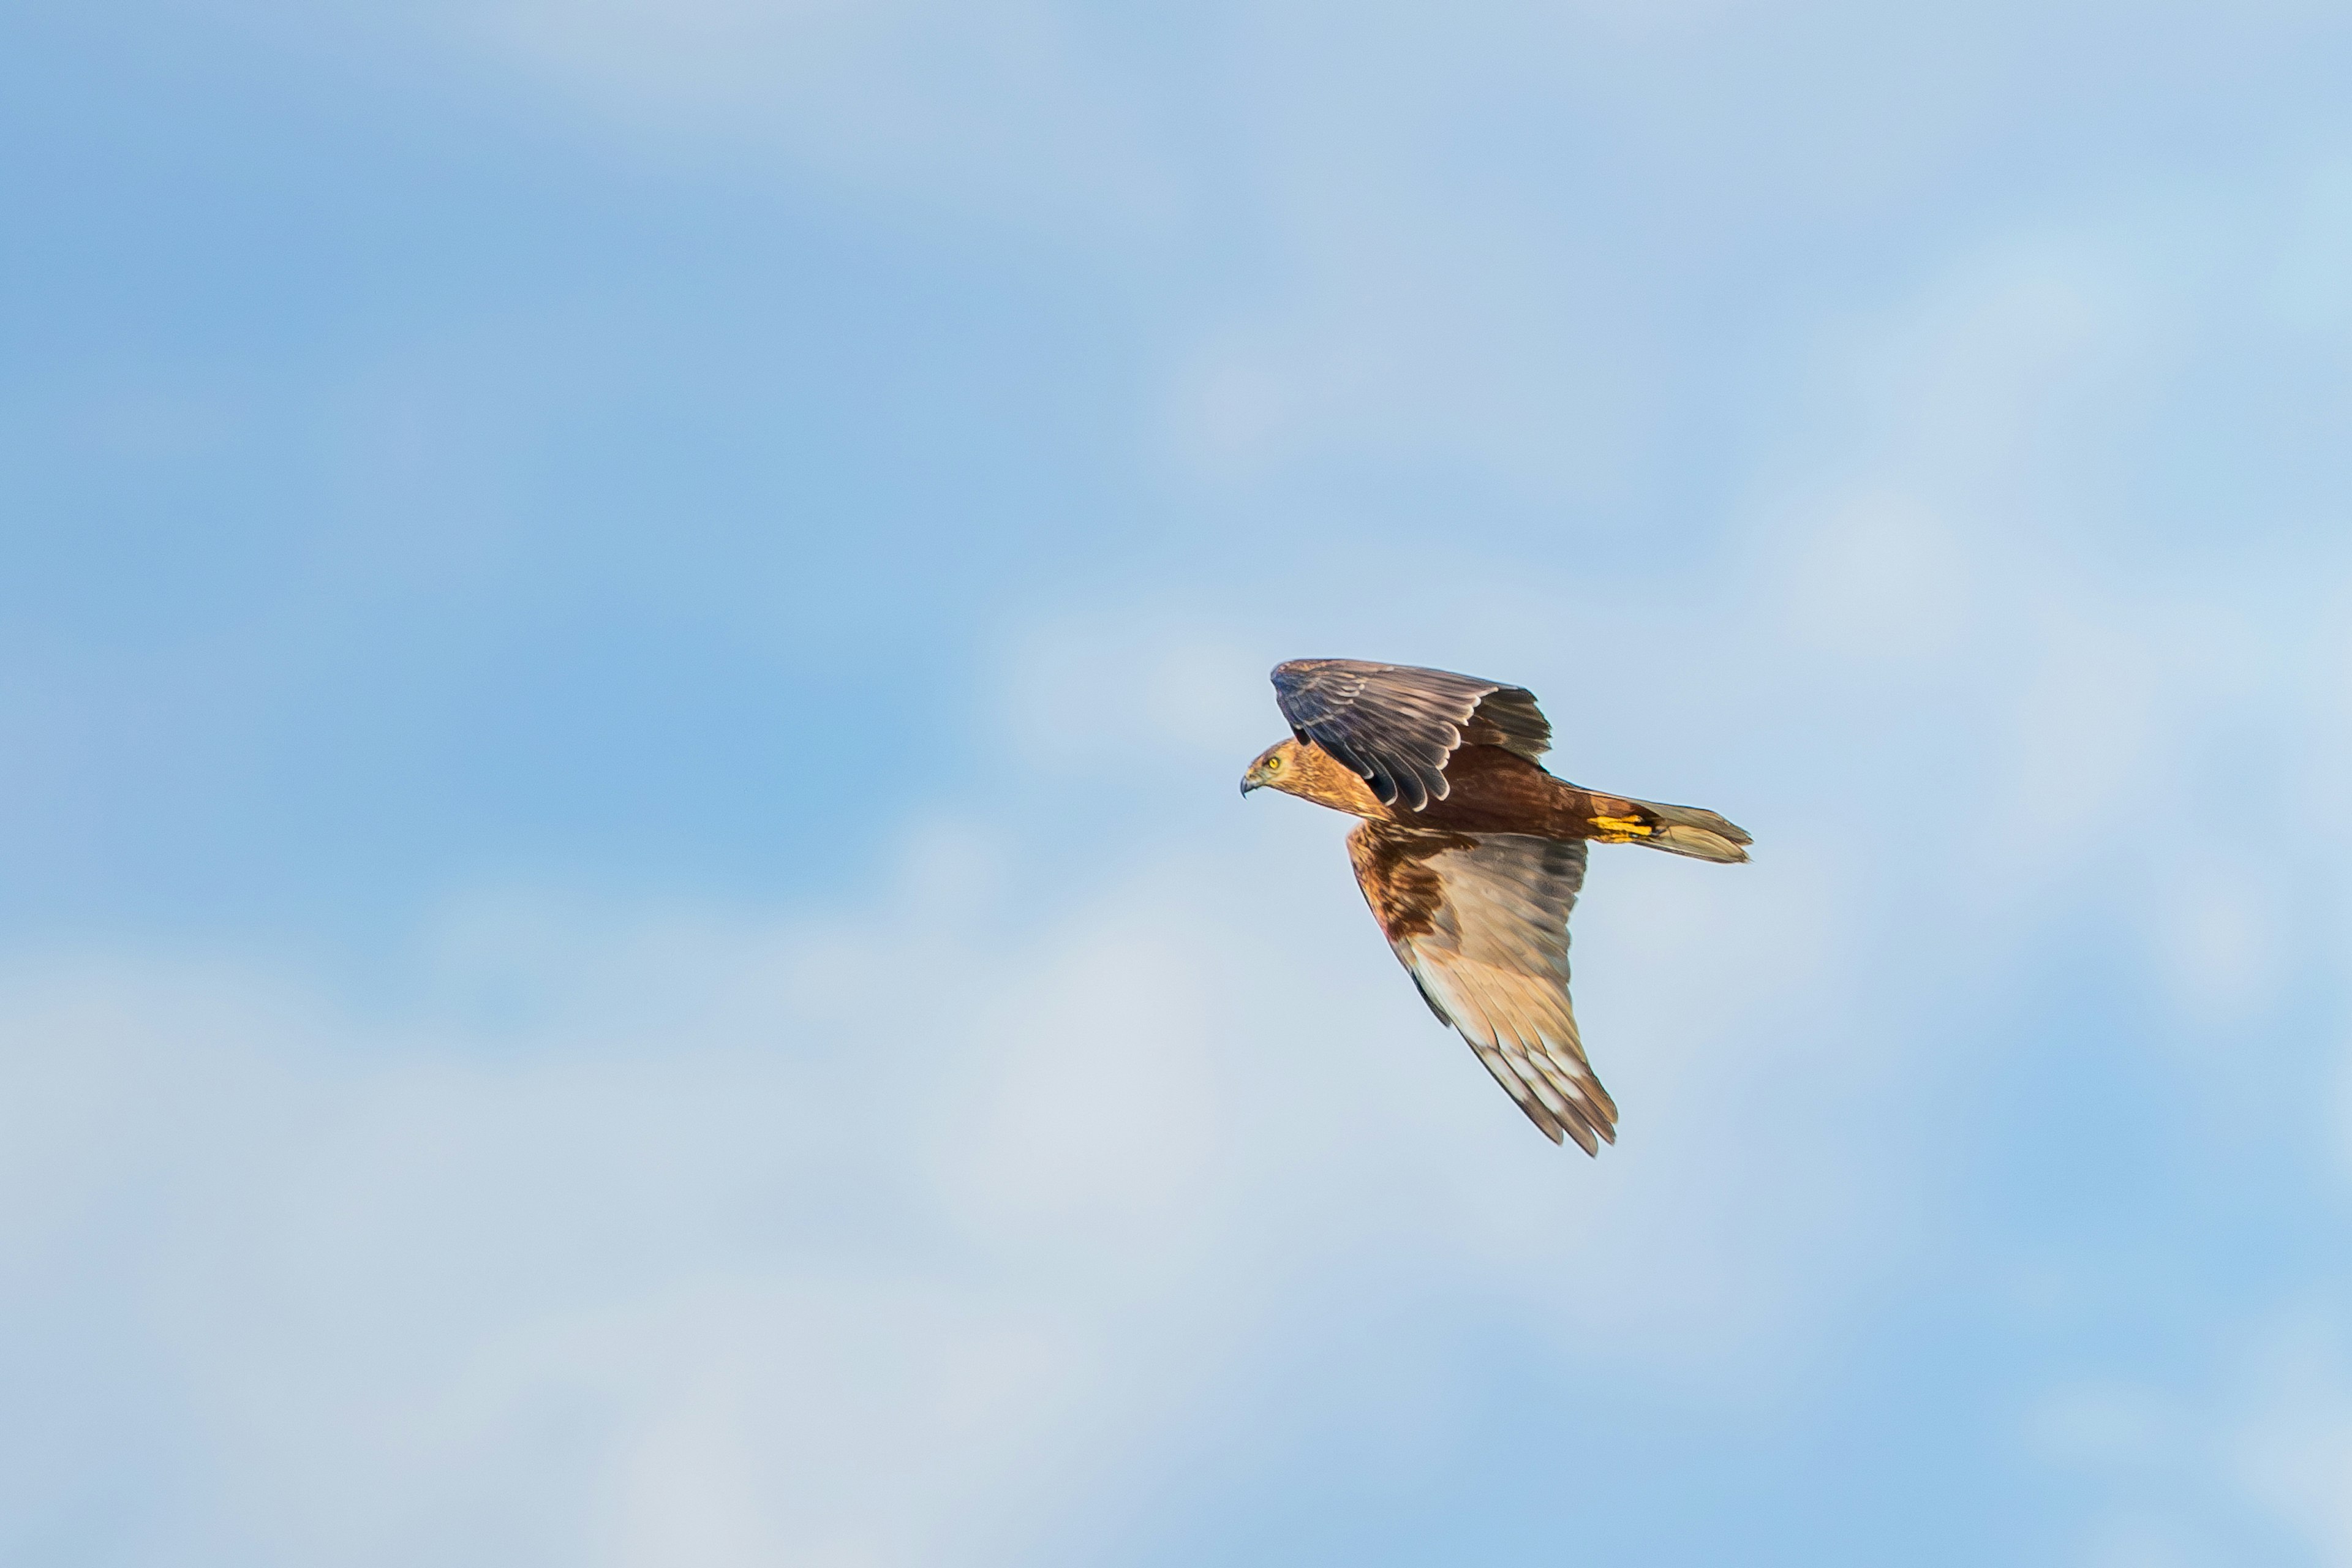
1396,724
1481,924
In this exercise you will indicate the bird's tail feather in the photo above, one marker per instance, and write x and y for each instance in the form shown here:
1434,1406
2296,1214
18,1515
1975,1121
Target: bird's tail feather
1677,829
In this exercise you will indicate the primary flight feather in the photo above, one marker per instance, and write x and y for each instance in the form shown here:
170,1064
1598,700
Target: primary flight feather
1471,856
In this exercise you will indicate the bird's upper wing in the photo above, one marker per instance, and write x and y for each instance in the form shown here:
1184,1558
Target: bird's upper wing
1481,921
1396,724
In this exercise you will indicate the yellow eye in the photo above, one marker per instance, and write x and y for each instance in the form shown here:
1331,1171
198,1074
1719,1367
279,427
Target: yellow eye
1273,765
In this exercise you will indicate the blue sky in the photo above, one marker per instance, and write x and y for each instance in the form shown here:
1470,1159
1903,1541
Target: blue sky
626,632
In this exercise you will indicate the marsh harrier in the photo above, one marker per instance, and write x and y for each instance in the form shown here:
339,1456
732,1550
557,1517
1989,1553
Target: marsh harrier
1471,856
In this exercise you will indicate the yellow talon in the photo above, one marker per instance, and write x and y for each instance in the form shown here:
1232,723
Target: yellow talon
1614,828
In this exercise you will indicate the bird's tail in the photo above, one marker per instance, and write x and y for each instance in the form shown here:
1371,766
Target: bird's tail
1678,829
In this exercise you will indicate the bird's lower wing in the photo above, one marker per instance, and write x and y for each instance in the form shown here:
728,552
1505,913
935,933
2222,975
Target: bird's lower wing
1481,922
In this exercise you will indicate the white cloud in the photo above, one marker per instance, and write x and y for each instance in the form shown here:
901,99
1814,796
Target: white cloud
1881,578
890,1235
2222,942
2107,1427
2288,1441
1004,110
1142,682
2242,1452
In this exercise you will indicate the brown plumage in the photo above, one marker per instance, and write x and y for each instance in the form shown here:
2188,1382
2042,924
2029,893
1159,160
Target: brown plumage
1471,856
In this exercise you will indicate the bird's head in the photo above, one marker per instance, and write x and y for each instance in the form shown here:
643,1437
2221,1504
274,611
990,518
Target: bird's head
1306,770
1276,766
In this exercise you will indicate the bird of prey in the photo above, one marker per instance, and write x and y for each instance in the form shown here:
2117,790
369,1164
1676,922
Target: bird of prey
1471,856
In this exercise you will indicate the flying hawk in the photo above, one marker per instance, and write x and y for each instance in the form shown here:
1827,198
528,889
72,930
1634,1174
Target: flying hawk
1471,856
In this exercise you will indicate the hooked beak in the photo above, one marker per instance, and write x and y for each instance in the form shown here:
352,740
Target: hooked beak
1248,784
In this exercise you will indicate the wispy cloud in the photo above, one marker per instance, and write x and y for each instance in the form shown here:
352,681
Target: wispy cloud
907,1233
